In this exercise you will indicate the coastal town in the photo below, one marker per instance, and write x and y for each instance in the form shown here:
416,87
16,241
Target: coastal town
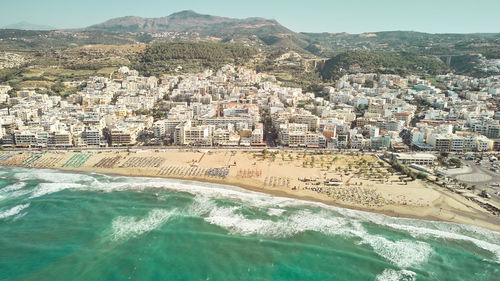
238,107
393,132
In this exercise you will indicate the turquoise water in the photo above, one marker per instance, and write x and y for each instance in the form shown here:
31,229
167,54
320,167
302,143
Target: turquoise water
70,226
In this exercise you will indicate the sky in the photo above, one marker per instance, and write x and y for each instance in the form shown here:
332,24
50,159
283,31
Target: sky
352,16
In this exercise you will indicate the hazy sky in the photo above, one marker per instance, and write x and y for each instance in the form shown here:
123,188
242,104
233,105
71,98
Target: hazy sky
353,16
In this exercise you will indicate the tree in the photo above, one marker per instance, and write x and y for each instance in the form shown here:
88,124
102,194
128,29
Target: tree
444,154
58,87
368,84
264,153
422,176
455,162
13,92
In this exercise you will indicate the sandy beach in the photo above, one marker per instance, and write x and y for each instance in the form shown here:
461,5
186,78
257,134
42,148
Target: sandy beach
350,181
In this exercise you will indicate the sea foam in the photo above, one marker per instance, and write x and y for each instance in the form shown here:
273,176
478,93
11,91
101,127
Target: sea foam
421,232
403,253
395,275
53,176
128,227
275,212
12,187
48,188
13,211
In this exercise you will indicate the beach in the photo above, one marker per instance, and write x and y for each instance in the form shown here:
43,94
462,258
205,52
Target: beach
360,182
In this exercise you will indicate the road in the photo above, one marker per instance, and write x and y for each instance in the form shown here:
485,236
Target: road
482,177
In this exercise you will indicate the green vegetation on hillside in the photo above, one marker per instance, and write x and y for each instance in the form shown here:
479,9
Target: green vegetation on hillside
9,74
46,78
490,49
191,56
467,65
403,63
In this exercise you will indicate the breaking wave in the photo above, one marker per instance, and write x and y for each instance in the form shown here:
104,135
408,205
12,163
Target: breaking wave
13,211
49,188
328,220
128,227
402,253
13,187
395,275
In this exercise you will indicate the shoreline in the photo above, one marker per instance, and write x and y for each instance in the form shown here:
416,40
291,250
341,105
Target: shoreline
436,205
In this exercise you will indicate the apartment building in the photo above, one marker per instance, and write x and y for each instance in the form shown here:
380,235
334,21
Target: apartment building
92,136
60,140
123,136
403,116
440,142
257,136
25,139
312,121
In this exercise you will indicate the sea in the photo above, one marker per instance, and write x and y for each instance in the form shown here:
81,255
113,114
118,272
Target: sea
58,225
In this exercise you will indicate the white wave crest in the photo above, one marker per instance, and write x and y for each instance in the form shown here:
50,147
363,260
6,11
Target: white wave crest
436,233
48,188
127,227
403,253
53,176
13,187
395,275
201,205
17,193
299,222
13,190
275,212
13,211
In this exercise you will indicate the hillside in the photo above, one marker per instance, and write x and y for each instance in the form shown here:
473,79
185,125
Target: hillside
330,44
380,62
161,58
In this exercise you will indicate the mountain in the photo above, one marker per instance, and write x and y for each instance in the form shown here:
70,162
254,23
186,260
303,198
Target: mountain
186,21
268,31
23,25
384,52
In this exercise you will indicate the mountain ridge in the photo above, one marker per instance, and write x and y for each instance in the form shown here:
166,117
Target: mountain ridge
267,31
24,25
172,22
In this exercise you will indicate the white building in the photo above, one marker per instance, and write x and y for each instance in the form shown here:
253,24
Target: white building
416,158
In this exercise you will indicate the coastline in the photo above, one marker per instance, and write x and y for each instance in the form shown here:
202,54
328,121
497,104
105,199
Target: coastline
436,204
